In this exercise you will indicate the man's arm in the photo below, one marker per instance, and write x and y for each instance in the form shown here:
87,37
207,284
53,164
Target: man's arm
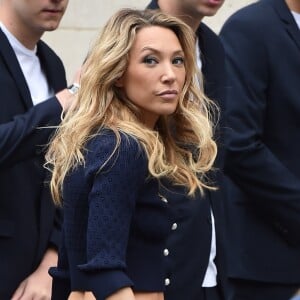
273,189
27,134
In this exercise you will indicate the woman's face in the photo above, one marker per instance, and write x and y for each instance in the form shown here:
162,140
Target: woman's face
155,74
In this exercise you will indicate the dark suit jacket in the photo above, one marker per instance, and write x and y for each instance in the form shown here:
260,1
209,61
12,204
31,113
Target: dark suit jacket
262,42
28,222
189,245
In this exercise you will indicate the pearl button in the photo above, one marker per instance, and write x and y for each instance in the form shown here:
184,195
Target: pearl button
167,281
166,252
174,226
164,199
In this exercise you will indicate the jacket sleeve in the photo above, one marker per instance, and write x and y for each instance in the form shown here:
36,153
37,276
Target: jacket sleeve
274,191
112,202
26,135
55,235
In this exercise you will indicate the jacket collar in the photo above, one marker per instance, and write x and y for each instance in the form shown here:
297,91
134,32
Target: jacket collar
11,61
286,17
153,5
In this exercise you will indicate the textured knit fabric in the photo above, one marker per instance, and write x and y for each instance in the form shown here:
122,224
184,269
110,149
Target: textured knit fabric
115,223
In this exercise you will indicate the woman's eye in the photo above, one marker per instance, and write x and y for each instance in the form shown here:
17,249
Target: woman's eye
150,60
178,61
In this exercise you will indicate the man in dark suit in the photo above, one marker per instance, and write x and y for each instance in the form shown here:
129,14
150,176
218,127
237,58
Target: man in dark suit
262,43
194,249
30,72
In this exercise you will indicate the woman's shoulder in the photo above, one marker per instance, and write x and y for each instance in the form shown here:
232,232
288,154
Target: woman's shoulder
109,148
107,140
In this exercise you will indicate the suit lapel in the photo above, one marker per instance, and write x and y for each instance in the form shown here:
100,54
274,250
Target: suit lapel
153,5
287,19
14,68
47,65
52,68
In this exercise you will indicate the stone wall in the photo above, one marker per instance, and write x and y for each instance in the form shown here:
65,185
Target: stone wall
83,19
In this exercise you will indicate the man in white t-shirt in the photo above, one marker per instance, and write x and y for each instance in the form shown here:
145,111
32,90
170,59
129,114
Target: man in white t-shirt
33,95
262,44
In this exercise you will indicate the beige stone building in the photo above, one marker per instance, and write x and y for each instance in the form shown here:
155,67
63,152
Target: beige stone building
83,19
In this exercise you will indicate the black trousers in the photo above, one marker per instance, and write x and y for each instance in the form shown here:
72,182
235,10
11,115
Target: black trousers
240,289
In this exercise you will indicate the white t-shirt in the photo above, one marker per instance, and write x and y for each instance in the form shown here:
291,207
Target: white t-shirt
31,68
297,17
210,278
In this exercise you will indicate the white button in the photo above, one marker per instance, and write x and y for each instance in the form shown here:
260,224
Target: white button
164,199
167,281
166,252
174,226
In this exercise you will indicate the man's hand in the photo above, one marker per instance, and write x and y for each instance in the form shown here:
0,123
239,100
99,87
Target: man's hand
38,285
64,97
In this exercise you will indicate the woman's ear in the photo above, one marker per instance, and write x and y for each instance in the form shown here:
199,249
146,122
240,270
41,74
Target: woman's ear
119,82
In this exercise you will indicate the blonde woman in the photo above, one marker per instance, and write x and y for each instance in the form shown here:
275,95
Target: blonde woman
140,125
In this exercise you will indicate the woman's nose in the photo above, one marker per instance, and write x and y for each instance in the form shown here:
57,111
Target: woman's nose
168,73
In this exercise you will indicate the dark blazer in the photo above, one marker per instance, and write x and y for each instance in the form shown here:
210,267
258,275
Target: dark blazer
262,42
189,245
28,222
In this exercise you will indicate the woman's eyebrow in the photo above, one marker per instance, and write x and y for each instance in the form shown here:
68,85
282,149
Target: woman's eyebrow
148,48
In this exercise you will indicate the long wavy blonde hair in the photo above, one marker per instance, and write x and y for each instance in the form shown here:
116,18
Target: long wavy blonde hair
180,148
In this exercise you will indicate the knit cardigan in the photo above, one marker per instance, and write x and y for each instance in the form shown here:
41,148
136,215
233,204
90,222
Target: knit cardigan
115,223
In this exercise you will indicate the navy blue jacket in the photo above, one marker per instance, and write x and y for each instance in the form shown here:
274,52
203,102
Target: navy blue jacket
115,223
262,43
28,222
189,246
